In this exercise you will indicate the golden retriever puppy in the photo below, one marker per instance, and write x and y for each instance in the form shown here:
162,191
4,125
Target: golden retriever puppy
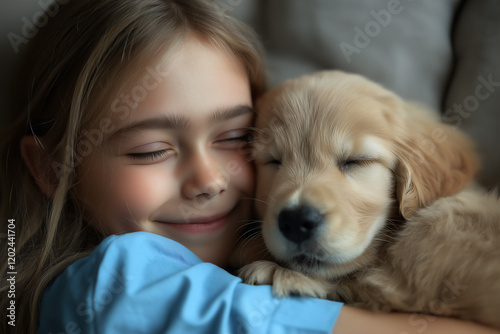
366,199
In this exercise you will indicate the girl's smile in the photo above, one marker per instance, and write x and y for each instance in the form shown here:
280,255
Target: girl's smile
177,164
200,225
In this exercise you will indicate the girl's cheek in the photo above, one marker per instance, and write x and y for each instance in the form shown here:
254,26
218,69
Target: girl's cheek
242,174
141,190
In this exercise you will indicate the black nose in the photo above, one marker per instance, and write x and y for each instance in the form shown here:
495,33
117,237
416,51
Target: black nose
299,223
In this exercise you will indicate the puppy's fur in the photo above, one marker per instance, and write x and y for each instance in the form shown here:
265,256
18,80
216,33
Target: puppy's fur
367,199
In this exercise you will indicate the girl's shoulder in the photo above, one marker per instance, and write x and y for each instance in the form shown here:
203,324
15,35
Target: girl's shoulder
127,255
142,246
123,272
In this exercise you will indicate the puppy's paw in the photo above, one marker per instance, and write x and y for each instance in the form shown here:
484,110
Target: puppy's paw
290,282
285,281
258,272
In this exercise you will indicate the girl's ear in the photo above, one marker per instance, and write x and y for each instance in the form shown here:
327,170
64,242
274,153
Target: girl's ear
434,160
37,163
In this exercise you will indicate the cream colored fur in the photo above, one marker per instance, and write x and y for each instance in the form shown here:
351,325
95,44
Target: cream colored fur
404,228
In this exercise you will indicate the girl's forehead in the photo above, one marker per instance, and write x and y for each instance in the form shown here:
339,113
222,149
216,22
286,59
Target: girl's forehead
141,78
130,79
195,76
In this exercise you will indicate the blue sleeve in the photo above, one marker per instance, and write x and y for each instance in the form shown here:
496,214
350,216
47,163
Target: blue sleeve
145,283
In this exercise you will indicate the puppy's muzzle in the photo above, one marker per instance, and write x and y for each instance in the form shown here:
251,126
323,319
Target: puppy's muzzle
300,223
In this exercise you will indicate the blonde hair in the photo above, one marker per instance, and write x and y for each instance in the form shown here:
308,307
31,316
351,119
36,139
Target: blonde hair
67,70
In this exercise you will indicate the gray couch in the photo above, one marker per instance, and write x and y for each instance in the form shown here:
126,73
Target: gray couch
444,53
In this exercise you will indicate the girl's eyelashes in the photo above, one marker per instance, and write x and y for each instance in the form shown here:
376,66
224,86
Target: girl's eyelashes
245,138
234,139
149,156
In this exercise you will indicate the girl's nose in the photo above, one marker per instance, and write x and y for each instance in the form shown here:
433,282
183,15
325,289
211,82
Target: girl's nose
204,178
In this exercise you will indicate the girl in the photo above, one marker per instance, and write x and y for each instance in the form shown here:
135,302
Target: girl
132,179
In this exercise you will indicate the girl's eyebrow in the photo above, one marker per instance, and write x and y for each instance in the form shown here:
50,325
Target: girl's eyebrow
180,122
225,114
154,123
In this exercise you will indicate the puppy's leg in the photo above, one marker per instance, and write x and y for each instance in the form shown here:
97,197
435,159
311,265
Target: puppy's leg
258,272
285,281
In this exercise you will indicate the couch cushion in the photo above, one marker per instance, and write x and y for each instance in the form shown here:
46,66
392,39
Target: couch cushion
473,101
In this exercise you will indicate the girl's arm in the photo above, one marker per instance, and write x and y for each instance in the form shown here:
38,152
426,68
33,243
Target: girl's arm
356,321
145,283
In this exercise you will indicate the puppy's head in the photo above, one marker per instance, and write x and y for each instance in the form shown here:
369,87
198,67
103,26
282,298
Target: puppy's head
334,153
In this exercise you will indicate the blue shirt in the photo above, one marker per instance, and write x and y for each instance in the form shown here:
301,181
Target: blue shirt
145,283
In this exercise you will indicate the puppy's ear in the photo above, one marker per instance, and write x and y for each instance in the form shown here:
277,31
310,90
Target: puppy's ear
434,160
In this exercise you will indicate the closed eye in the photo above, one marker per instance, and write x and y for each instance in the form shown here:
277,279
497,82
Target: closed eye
353,163
349,164
149,156
274,162
235,139
245,138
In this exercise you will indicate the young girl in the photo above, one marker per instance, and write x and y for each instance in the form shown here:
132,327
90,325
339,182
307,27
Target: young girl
127,178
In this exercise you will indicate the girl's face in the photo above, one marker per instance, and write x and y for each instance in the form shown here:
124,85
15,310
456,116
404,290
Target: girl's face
175,161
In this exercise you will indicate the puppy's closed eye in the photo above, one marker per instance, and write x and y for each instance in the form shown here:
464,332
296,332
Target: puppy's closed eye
273,162
354,162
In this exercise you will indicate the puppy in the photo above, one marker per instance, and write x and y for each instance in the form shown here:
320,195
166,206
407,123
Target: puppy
368,200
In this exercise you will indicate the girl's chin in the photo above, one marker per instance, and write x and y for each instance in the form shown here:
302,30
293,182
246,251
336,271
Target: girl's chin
217,251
